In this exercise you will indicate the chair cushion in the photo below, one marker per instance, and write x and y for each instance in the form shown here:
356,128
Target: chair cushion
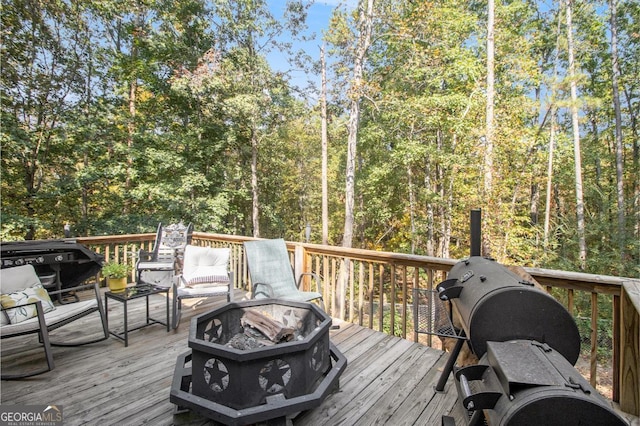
158,266
204,263
61,313
18,278
20,300
205,291
207,281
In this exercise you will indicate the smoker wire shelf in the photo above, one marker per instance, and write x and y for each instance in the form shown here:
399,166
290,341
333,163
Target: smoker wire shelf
432,315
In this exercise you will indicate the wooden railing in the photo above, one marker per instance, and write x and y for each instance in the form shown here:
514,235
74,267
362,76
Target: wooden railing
376,292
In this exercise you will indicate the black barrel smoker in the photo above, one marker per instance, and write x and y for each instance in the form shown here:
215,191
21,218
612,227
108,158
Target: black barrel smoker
526,383
495,304
527,344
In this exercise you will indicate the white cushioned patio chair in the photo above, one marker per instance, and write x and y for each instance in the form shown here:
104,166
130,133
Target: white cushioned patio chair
27,309
205,273
272,275
158,266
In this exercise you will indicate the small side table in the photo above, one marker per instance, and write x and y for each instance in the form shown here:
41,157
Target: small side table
131,293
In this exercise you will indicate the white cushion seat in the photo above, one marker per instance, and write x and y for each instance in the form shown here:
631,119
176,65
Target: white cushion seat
204,274
210,290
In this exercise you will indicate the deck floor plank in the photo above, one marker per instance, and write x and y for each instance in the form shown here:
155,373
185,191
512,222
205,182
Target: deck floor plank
105,383
408,376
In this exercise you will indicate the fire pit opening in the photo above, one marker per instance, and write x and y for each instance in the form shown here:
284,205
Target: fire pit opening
268,357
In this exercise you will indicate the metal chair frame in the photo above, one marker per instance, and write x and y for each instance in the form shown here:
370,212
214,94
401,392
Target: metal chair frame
45,326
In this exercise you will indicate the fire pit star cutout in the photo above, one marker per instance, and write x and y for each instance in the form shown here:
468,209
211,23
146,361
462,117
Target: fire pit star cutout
274,376
317,357
290,319
213,331
216,375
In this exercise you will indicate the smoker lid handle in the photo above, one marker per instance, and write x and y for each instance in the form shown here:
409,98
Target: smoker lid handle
448,289
485,398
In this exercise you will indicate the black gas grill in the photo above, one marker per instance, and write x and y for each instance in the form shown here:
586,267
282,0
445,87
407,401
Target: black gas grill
60,264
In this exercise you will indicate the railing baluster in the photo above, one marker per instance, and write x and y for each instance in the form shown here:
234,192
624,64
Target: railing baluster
570,301
392,308
594,339
403,318
381,301
371,295
616,349
361,286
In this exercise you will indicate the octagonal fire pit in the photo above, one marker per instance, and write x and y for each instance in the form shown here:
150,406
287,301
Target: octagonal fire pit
257,360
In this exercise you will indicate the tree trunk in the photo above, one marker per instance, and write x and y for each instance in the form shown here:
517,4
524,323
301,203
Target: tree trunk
255,209
412,202
552,139
323,114
84,206
547,209
489,136
365,24
430,213
582,244
636,163
616,103
533,206
131,126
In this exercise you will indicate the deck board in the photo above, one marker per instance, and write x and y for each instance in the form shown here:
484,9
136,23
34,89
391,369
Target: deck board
106,383
388,380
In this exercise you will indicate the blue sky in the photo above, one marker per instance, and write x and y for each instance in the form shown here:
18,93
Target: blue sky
317,21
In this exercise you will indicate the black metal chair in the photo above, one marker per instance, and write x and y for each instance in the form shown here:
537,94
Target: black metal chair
158,266
21,292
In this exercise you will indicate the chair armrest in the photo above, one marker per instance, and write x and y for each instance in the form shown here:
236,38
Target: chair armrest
255,285
76,288
39,313
94,286
2,308
179,281
315,277
145,256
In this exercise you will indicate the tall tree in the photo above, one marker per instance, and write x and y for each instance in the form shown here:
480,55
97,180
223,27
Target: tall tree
553,108
247,32
577,155
489,132
615,72
325,154
362,43
42,83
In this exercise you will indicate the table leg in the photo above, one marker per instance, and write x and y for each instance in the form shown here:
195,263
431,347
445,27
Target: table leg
106,312
147,300
126,330
167,310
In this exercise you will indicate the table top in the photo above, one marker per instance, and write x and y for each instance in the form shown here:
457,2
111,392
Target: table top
135,291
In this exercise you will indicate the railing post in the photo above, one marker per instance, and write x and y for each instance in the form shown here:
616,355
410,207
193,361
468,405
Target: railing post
300,267
630,348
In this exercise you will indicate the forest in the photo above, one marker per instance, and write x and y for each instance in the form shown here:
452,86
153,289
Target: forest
119,114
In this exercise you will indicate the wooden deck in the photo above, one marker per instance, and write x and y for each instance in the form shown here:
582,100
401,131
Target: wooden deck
388,380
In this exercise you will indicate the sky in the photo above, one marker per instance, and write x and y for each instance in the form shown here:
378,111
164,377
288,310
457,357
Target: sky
318,17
